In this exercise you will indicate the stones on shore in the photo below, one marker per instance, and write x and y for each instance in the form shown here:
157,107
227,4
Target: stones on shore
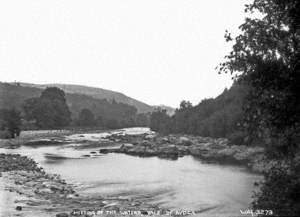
185,141
10,162
49,192
174,146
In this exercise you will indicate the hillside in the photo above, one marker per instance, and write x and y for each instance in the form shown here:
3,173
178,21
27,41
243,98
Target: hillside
97,93
214,117
14,95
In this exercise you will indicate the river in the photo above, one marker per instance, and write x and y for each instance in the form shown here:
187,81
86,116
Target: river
185,183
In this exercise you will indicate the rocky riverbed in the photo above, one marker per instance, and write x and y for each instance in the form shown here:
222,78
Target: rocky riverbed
29,191
174,146
33,192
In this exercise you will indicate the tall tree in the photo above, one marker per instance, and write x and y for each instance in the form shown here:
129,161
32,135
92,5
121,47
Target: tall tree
266,57
160,121
50,110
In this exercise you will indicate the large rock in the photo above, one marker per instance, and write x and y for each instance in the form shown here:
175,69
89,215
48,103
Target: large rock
226,152
125,147
149,137
183,150
150,150
184,141
167,150
137,150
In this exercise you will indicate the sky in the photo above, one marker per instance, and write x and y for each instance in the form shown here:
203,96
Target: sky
156,51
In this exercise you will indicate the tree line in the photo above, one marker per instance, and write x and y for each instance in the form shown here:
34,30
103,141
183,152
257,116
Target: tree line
219,117
51,111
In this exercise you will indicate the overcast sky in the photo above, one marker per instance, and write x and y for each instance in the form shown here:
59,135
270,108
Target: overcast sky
157,51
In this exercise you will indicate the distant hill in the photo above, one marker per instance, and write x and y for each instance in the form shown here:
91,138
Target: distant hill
14,95
97,93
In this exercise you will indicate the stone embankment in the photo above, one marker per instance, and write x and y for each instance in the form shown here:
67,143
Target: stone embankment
174,146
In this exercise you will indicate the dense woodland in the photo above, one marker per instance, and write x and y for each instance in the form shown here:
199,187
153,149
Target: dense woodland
218,117
53,109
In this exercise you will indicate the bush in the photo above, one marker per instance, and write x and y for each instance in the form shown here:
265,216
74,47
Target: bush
280,191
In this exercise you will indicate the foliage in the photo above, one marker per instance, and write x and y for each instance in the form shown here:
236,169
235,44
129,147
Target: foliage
219,117
112,124
266,57
50,110
160,121
108,110
10,120
142,120
86,118
114,113
280,191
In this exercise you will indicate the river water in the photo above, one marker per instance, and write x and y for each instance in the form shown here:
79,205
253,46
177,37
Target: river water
185,183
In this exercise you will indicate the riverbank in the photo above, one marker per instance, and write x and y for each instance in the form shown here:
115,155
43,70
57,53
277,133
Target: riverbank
43,137
175,146
27,190
148,144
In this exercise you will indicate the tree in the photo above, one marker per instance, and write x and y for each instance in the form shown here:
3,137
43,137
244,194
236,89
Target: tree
142,120
112,124
266,57
218,117
160,121
29,107
99,121
50,110
86,118
10,120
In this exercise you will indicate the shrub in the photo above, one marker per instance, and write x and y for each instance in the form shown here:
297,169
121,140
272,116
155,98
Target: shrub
280,191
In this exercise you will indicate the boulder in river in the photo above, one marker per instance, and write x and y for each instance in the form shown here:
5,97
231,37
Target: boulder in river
149,137
125,147
184,141
168,151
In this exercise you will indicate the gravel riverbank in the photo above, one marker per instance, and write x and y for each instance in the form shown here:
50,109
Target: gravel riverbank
27,190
